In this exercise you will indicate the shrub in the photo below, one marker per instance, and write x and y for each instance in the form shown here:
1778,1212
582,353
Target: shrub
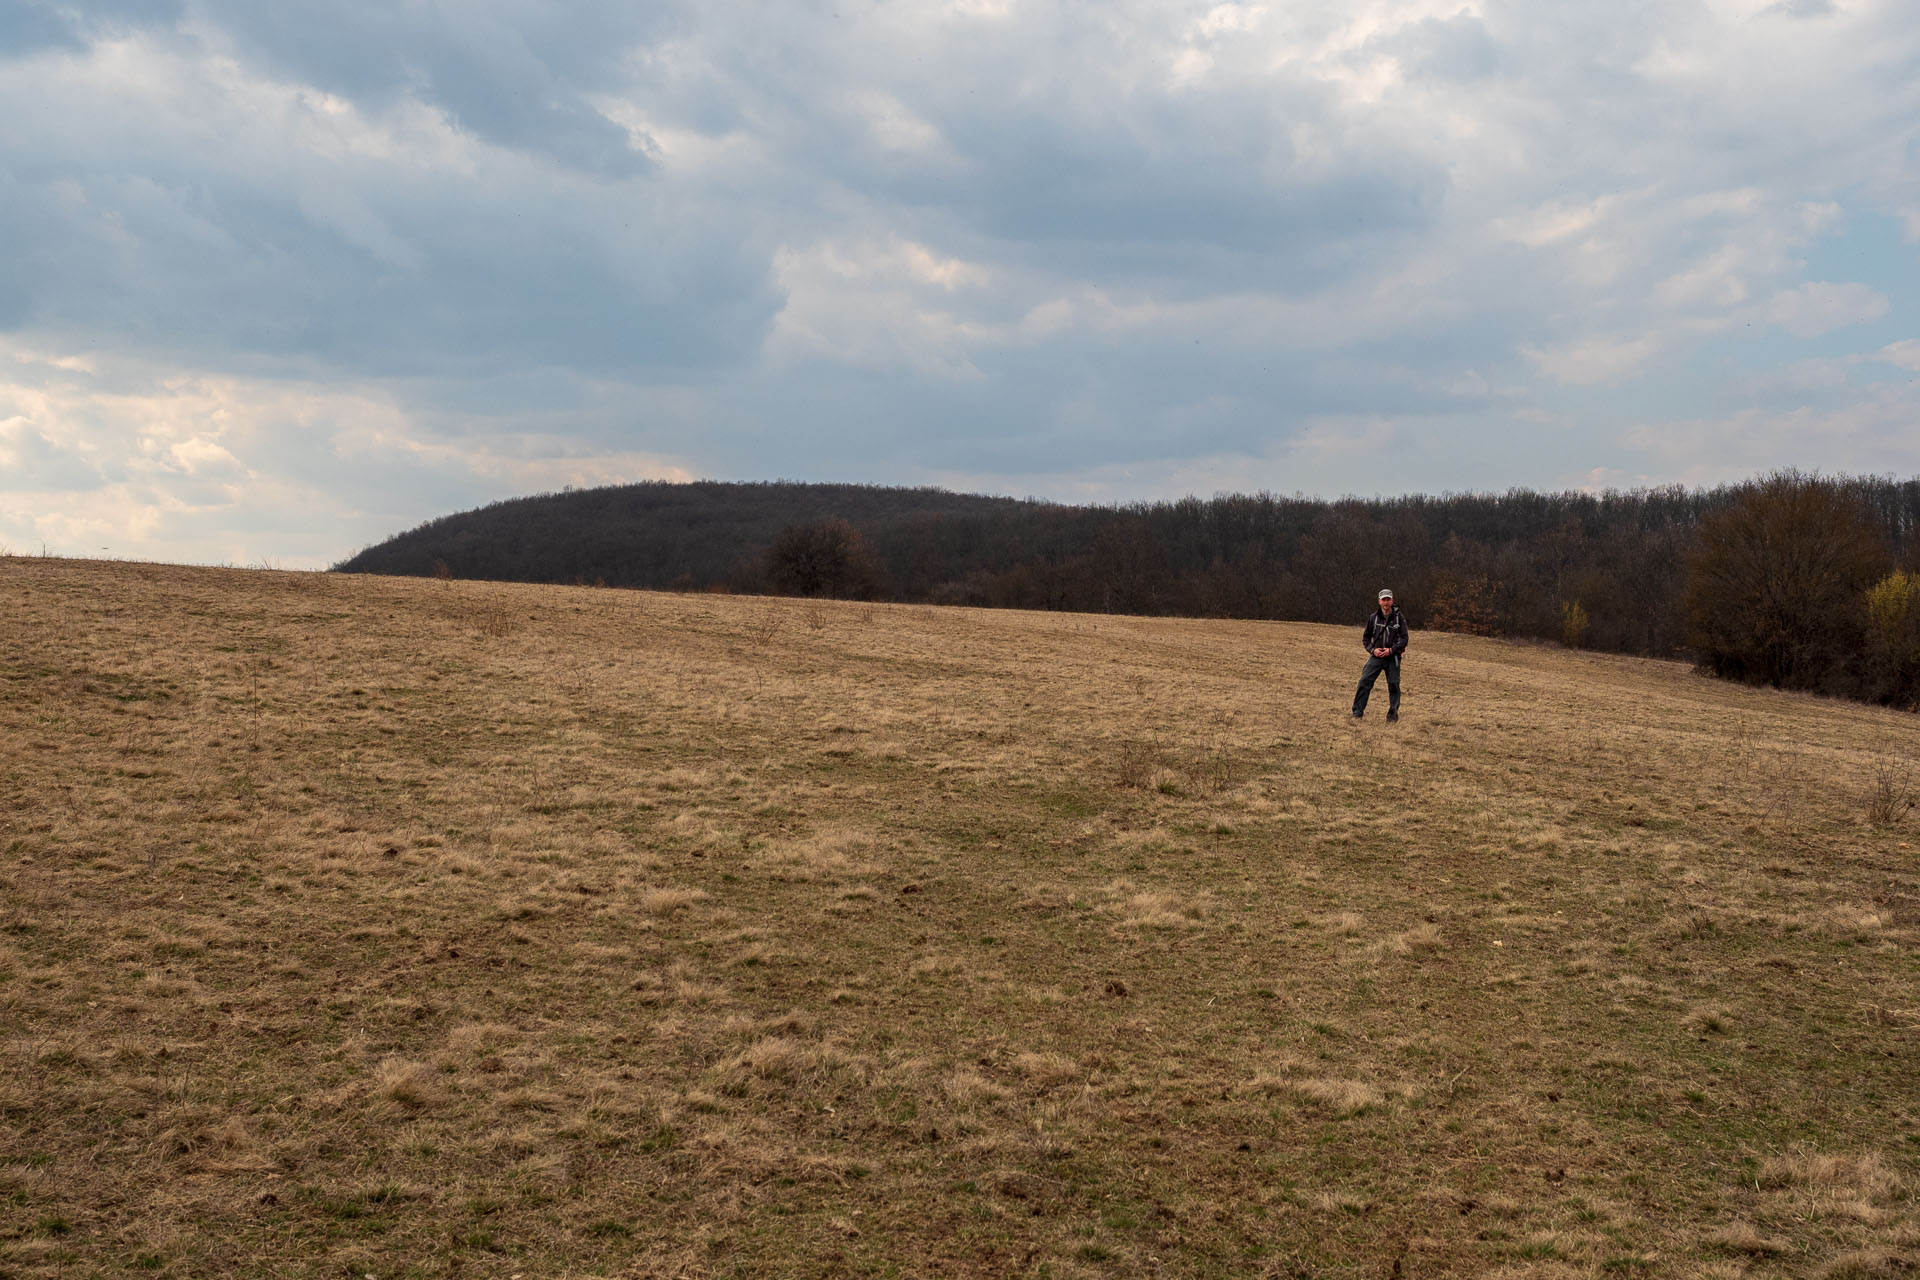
1573,624
1893,636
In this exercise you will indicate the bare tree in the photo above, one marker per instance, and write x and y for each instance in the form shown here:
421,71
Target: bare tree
1776,583
822,558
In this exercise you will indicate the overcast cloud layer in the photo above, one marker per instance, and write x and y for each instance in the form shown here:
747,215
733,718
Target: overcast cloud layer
281,279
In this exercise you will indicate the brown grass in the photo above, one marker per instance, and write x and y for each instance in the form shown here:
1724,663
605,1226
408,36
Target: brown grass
353,926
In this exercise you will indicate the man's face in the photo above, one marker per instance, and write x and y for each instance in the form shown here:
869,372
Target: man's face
1386,604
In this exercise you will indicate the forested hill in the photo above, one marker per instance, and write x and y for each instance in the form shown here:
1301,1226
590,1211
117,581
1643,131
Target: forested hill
656,534
1787,579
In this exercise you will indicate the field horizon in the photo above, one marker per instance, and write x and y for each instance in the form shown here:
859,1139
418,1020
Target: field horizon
364,926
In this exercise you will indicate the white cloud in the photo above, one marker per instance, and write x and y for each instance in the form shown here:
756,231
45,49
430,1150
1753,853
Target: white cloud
1818,307
1330,438
1553,222
1798,380
982,8
1717,282
894,125
879,305
1905,353
1601,479
1224,18
1593,361
144,463
1871,435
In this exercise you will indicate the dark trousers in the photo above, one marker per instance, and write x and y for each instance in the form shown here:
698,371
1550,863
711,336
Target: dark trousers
1369,674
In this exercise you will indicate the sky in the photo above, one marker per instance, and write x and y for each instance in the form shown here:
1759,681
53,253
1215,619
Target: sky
280,280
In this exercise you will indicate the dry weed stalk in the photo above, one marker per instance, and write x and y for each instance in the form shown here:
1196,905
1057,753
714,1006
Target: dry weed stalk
1135,762
1892,793
766,624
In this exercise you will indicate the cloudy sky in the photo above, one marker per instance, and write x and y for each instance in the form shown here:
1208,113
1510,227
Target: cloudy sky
278,280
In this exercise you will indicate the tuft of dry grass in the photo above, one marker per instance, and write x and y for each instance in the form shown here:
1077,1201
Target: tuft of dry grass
1866,1264
353,926
1345,924
1712,1019
1343,1097
1160,910
1046,1068
1421,940
409,1084
663,902
968,1087
1744,1237
1866,1174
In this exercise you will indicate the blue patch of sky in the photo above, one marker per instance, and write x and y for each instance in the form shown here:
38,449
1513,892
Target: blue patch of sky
1875,250
1717,374
1869,249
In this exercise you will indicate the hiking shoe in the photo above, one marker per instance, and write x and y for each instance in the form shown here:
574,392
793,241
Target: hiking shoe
1393,717
1359,715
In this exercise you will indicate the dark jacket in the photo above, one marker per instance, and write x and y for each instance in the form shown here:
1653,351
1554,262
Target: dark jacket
1385,631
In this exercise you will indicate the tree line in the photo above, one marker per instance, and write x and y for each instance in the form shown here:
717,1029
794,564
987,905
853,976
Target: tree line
1793,580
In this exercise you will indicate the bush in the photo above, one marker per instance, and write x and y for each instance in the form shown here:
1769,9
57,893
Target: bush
1573,624
1775,584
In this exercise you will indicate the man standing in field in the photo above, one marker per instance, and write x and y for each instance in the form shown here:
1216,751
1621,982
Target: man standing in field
1386,639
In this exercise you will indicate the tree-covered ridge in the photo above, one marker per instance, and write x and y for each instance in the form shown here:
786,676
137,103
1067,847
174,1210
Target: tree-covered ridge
1618,571
654,534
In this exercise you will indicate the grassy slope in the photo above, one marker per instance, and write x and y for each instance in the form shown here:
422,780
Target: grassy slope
362,926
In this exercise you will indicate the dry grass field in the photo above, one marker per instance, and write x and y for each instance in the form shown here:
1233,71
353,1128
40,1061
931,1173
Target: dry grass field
368,927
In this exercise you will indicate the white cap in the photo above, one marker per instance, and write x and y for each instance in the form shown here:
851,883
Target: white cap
1386,593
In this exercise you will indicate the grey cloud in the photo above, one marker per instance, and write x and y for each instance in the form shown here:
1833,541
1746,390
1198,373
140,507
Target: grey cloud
1041,145
195,232
1064,407
36,463
517,74
1144,194
27,26
34,26
1456,48
16,229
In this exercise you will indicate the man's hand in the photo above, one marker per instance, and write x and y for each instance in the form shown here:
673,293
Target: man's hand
1382,653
